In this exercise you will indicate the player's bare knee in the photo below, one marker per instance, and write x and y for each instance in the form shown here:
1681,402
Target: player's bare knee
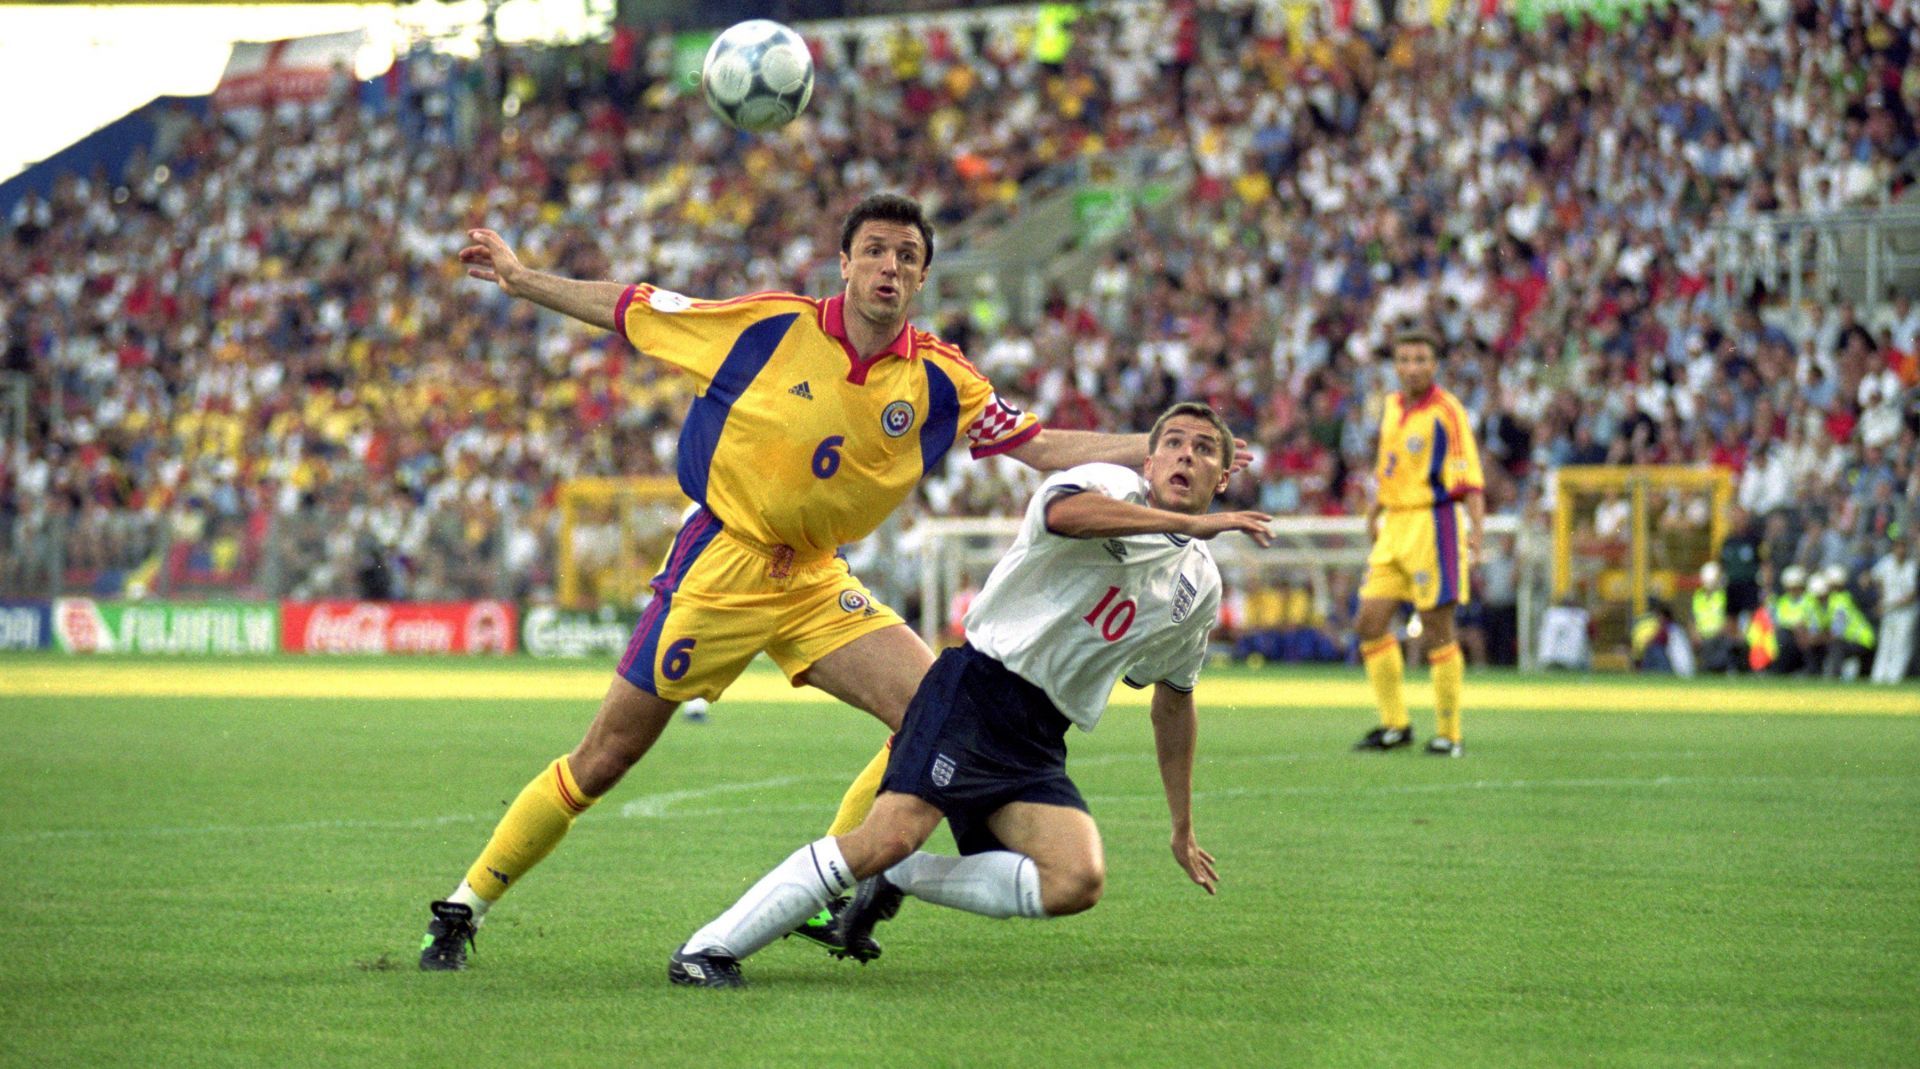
1438,624
1072,889
1374,620
877,846
598,768
894,845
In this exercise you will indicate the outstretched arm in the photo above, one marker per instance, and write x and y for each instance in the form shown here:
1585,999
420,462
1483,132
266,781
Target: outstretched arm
1176,728
491,260
1090,514
1056,450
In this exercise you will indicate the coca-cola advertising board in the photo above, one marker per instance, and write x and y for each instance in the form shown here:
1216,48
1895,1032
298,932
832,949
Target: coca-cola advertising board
398,627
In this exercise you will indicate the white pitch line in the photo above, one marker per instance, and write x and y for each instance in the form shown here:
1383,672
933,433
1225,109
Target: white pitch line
656,805
662,806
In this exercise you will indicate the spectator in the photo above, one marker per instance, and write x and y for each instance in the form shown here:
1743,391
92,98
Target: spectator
1850,634
1715,632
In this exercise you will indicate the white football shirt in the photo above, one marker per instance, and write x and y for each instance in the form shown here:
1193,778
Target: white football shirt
1897,579
1073,615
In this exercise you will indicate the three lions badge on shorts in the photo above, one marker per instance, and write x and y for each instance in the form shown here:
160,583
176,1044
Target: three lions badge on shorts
942,770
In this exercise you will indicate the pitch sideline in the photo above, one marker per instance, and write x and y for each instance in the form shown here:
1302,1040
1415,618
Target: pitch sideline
506,682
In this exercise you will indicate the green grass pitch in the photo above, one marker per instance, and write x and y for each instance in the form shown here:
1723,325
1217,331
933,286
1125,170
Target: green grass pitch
242,882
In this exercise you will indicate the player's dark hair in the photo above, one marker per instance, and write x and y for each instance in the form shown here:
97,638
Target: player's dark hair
1197,410
1419,337
887,208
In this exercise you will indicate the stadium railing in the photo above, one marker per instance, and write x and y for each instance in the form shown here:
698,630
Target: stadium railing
1856,254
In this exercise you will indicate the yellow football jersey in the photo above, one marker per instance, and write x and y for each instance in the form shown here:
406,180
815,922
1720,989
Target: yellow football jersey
794,440
1427,453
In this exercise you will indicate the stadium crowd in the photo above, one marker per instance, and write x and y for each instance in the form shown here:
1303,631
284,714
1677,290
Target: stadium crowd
253,348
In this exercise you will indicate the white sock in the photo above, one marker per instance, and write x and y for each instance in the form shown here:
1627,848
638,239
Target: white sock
999,883
796,889
464,895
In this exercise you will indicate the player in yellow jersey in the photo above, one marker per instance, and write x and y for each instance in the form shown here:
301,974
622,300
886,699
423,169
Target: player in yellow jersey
1428,480
814,420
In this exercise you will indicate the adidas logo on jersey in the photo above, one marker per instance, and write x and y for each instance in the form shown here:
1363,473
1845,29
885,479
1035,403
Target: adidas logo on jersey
802,391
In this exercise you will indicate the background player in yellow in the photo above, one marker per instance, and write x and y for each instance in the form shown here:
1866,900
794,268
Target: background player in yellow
815,419
1426,476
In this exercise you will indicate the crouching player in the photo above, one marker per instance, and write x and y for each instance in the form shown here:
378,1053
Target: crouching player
1109,577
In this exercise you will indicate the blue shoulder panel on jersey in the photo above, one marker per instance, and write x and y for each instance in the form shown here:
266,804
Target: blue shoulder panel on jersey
707,417
1436,466
943,418
1445,534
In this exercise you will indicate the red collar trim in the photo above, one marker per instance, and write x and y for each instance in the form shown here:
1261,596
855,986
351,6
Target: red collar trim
833,320
1432,395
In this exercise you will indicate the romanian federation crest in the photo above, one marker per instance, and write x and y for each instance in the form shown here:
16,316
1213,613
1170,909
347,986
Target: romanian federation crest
1415,443
897,419
1183,595
852,600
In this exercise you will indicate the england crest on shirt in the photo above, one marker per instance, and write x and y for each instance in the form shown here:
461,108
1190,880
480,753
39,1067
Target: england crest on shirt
1183,595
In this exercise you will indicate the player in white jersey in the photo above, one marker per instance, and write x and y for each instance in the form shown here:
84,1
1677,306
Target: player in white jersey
1109,578
1898,576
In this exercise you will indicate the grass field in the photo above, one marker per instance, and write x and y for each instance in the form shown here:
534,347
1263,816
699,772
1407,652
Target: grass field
1618,873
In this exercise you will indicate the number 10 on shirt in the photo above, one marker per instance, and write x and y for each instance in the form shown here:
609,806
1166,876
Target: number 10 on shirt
1117,619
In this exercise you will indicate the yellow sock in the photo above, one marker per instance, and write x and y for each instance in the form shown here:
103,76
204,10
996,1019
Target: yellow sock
533,826
1449,676
1384,669
858,800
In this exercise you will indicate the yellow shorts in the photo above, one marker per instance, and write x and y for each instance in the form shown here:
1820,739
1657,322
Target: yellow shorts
1419,557
720,599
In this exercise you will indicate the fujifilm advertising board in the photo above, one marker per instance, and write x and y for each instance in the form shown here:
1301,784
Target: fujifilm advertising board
83,625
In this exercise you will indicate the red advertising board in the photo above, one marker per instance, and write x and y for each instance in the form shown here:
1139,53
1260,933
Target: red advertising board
398,627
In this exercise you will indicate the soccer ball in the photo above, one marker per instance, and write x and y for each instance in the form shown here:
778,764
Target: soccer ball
757,76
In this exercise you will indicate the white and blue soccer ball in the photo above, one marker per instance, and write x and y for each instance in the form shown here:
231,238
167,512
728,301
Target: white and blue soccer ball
758,76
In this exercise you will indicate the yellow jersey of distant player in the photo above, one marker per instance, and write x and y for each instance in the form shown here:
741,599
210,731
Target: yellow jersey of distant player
794,440
1427,453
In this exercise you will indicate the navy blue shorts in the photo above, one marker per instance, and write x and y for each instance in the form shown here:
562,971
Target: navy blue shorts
976,737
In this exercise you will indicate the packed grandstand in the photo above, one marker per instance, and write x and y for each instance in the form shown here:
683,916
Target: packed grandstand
253,367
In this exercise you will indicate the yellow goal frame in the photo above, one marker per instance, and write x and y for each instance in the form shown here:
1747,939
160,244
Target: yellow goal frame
1578,483
618,494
